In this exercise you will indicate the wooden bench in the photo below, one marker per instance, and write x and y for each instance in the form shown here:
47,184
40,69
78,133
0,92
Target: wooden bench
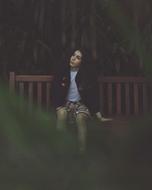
119,96
126,95
35,88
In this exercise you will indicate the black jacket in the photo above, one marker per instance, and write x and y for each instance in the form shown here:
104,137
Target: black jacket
87,84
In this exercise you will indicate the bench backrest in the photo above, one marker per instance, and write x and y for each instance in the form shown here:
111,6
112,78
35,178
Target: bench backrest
126,95
118,95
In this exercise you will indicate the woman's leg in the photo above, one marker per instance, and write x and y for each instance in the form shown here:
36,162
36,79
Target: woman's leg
81,120
61,118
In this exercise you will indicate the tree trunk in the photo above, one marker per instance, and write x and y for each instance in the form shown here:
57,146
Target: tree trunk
93,31
73,23
63,22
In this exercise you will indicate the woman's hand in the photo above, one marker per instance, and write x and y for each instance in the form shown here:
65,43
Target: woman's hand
102,119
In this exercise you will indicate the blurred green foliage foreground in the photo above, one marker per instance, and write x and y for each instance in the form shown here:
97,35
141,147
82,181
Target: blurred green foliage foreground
34,156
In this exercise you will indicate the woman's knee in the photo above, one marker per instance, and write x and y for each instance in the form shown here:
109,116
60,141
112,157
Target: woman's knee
81,117
62,113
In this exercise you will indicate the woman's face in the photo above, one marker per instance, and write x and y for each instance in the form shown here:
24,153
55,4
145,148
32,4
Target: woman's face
76,59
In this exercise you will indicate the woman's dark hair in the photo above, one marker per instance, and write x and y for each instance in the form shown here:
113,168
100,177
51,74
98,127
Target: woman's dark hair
86,56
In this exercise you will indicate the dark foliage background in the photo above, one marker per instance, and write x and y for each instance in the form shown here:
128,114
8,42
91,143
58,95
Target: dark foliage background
36,34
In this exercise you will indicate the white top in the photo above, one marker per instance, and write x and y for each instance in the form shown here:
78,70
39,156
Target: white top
73,93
